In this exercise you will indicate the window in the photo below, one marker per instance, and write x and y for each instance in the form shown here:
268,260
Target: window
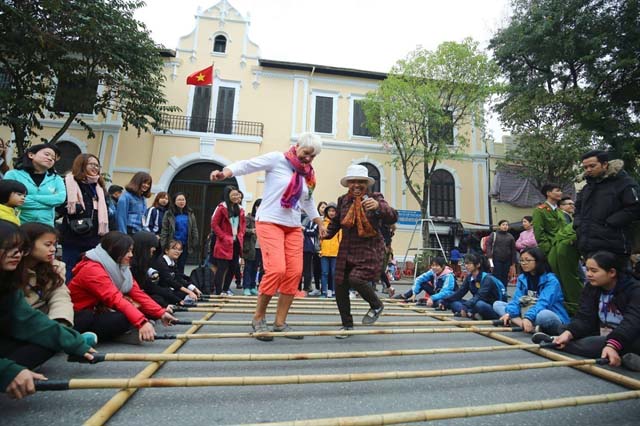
442,195
200,109
324,114
359,120
441,131
374,173
75,94
220,44
224,110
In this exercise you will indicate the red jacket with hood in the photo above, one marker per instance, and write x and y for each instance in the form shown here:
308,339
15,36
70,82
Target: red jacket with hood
221,226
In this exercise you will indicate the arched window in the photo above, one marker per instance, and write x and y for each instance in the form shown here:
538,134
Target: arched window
68,152
220,44
442,194
375,174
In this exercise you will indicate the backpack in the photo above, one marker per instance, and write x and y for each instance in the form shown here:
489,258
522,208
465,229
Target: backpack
202,277
484,242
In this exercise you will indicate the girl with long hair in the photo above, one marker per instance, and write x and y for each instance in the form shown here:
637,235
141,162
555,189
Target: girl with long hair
26,333
155,214
132,205
107,299
85,215
179,223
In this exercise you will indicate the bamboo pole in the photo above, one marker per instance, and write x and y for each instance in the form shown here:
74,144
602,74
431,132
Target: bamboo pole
226,310
105,412
459,412
463,323
295,379
296,301
435,330
318,306
243,357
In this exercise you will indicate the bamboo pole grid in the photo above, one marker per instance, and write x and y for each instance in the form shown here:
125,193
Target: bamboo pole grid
143,379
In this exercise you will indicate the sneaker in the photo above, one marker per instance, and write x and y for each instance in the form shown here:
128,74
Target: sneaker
284,328
631,361
391,291
477,317
254,291
246,292
238,286
422,301
90,338
261,327
372,315
399,297
329,293
314,293
229,292
352,295
344,336
224,294
539,337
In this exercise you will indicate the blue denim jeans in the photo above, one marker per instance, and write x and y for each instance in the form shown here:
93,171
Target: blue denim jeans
483,308
328,264
546,319
249,275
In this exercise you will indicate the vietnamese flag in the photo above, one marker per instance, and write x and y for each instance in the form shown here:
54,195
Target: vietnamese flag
201,78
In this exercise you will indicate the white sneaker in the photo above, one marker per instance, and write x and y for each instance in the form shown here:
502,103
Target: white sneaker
352,295
329,293
315,292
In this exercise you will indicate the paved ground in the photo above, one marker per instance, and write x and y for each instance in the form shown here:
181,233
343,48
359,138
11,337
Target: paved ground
250,404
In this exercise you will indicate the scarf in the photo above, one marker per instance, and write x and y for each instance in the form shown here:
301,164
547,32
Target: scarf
119,274
74,196
293,192
356,216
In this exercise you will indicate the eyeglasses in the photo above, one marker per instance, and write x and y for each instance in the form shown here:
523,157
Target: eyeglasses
94,166
525,261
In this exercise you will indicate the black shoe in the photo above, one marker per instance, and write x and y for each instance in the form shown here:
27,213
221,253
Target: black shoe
631,361
344,336
540,337
399,297
372,315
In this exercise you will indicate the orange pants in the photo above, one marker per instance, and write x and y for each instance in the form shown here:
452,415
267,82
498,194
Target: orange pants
281,256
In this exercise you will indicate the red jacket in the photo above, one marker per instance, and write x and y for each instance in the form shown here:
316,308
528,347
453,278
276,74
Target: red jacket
91,286
221,226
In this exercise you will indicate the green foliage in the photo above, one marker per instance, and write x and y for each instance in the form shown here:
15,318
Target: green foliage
573,68
426,96
81,43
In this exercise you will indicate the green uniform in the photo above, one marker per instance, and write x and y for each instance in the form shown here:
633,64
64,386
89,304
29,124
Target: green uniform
22,322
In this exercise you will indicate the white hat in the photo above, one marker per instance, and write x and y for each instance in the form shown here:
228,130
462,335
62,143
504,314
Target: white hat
356,172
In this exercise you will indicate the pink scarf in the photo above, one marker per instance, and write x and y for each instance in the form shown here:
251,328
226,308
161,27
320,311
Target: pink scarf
74,196
293,192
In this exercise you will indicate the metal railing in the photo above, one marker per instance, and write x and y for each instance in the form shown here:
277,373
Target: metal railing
211,125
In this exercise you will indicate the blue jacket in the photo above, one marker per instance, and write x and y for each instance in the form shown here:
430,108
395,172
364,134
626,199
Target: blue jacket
445,285
41,201
486,288
549,297
130,212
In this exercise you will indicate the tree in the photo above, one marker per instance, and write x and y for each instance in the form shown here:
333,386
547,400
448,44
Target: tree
425,96
574,66
61,59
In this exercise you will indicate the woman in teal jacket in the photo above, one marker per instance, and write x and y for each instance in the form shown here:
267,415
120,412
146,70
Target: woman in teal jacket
24,331
538,300
45,189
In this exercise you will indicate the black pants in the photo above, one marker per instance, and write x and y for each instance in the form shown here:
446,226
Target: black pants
24,353
226,268
317,271
107,325
591,346
342,296
307,270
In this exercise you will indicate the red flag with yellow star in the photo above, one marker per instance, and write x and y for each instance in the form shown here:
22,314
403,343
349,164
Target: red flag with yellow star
201,78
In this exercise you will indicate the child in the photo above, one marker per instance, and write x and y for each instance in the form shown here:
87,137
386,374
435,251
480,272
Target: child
155,214
484,287
12,195
329,253
26,331
172,286
438,282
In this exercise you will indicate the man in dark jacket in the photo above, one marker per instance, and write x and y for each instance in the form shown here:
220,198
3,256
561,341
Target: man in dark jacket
606,206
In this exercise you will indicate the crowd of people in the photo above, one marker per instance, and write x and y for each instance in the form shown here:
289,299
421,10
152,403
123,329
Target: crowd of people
122,265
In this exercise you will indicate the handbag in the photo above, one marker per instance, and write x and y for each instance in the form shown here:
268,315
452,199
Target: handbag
81,226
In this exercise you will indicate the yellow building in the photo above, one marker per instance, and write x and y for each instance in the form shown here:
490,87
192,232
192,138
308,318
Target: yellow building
258,105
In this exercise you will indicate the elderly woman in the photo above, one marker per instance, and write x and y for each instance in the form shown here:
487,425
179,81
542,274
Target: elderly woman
360,215
288,187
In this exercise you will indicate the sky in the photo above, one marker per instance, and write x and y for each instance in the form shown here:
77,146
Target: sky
363,34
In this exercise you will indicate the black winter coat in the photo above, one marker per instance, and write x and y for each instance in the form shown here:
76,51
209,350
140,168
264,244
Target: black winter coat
67,237
605,208
626,298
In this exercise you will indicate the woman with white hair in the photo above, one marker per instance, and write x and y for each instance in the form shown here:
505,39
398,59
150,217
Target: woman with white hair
288,188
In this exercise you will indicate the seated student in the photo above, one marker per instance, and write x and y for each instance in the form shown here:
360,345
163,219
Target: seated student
45,289
172,285
144,250
538,300
607,324
484,288
439,283
12,195
25,332
106,298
